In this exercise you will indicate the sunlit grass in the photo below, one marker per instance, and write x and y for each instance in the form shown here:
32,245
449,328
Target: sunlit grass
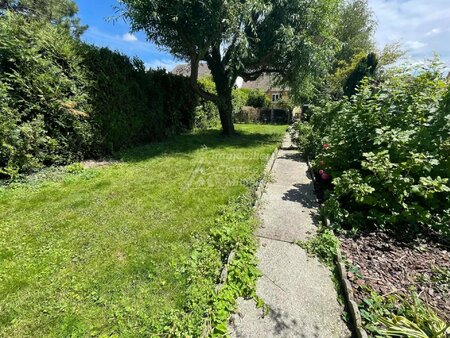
97,252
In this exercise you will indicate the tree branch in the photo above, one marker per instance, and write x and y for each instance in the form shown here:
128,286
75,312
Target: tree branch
254,75
195,59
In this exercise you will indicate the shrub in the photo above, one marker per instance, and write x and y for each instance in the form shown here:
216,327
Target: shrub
62,100
240,99
206,113
258,99
306,139
387,152
248,115
46,85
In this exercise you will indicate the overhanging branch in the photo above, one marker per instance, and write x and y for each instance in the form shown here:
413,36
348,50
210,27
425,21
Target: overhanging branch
254,75
195,59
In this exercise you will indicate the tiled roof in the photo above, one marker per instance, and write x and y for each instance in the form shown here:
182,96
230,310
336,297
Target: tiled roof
185,70
264,82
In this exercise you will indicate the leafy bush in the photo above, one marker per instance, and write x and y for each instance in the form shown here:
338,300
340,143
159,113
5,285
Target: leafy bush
240,99
387,150
132,105
45,84
62,100
206,113
305,138
258,99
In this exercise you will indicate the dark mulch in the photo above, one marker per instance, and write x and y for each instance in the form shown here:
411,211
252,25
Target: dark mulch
389,266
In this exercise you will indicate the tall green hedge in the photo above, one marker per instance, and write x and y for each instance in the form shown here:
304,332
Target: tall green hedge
63,100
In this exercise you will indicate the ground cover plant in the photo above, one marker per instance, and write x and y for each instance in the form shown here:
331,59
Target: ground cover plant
136,247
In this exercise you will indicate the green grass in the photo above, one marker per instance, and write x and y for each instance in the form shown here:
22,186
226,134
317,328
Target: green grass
98,252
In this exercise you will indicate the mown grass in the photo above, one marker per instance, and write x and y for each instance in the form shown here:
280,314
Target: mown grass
97,252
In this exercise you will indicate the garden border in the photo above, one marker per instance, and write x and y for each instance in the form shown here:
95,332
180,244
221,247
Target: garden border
265,178
343,280
259,192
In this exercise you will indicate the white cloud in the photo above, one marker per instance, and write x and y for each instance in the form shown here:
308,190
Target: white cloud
414,45
127,37
423,27
434,31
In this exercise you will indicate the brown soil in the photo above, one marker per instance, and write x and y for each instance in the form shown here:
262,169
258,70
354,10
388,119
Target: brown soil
389,266
97,164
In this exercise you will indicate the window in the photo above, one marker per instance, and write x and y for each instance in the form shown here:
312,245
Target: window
275,97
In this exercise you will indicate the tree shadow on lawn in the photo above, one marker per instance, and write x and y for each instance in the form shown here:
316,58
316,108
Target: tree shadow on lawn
190,142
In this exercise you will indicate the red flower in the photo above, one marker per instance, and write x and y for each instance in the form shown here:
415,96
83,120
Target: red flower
321,172
326,146
325,176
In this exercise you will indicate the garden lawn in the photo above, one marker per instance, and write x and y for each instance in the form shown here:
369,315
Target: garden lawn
97,252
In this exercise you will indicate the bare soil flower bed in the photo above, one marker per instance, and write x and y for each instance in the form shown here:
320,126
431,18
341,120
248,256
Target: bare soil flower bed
390,266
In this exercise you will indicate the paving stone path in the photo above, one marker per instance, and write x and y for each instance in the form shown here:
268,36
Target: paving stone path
297,289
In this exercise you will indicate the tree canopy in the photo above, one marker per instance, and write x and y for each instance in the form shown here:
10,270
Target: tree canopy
61,12
294,39
355,30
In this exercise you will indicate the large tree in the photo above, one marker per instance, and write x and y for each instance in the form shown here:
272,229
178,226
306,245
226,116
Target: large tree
241,38
61,12
355,31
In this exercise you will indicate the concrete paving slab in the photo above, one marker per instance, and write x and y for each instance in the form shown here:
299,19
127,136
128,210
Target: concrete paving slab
288,208
299,293
297,289
287,142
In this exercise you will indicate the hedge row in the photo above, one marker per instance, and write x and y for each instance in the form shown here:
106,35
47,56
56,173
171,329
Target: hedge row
62,100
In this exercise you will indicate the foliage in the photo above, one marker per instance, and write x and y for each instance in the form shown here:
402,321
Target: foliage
386,150
132,105
58,12
397,316
45,87
63,100
257,98
240,99
134,248
355,30
348,74
366,67
206,114
324,245
241,38
209,307
306,139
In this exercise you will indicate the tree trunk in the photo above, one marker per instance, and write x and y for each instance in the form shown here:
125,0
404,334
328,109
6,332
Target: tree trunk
225,106
224,87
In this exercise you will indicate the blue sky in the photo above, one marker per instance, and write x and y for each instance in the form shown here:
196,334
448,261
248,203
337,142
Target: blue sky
422,26
115,34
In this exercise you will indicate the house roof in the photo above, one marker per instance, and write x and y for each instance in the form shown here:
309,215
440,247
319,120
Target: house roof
264,82
185,70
